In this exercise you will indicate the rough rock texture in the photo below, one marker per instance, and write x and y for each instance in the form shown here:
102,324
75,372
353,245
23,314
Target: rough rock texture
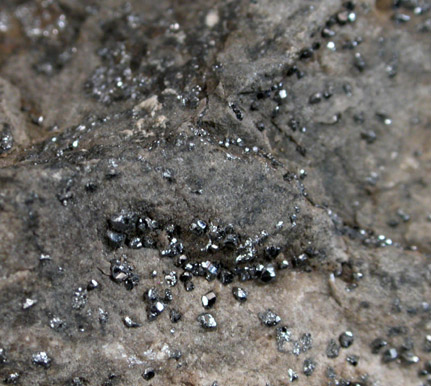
282,147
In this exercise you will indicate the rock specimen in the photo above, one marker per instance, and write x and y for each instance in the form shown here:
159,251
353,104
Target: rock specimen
162,162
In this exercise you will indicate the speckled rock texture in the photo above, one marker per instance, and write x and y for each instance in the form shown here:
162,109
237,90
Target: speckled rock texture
232,192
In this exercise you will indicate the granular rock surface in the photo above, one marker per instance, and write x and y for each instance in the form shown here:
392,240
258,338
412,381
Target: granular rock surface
234,192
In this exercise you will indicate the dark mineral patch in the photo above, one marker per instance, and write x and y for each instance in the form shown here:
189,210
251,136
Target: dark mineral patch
333,349
309,367
148,374
6,138
41,359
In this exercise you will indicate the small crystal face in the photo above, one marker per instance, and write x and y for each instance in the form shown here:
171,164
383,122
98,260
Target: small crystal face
207,321
239,294
269,318
346,339
209,299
